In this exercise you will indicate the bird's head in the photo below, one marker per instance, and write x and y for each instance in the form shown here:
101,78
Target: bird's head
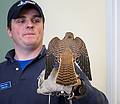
69,35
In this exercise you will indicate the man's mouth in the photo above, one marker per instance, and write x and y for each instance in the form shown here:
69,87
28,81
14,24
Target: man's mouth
29,34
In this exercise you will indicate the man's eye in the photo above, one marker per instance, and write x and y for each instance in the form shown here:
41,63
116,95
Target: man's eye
36,20
20,20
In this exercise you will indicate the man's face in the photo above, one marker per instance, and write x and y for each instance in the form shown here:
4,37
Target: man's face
27,30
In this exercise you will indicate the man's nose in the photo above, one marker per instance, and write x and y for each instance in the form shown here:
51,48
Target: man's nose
29,24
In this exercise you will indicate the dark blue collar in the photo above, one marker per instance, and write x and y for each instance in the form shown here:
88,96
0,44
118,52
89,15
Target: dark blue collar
10,55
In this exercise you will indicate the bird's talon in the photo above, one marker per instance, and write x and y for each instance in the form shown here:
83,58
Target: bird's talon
71,96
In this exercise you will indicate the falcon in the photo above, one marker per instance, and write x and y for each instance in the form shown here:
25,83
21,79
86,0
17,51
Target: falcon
61,58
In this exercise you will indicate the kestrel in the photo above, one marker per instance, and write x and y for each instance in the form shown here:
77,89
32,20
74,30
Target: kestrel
61,58
68,49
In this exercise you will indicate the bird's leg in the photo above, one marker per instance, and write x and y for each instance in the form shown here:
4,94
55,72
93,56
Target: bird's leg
70,101
71,96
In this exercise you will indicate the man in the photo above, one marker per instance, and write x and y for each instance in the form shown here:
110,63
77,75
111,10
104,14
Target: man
24,63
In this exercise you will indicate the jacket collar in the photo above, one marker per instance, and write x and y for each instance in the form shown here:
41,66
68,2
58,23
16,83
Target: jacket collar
10,55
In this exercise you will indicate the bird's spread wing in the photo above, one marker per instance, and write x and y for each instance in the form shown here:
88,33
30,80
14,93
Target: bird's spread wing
51,60
82,57
52,56
54,48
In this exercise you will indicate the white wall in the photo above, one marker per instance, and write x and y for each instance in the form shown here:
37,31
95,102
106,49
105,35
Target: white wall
86,19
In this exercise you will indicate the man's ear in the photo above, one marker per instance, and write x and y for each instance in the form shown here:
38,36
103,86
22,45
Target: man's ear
9,32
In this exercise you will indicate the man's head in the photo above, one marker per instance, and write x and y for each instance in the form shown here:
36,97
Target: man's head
16,9
26,25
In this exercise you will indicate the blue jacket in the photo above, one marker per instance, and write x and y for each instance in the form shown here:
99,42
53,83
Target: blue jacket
20,87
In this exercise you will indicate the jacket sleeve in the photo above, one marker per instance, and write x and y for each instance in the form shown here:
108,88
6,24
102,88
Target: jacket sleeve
91,95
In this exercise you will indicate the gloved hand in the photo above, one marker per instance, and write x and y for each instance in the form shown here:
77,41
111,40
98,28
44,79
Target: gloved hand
49,85
79,90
